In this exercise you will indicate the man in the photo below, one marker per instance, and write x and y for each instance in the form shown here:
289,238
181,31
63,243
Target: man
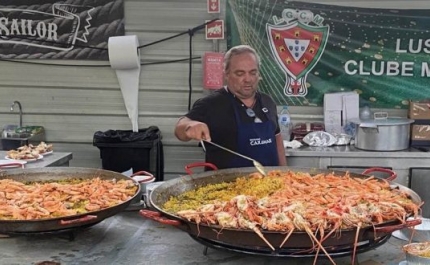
237,117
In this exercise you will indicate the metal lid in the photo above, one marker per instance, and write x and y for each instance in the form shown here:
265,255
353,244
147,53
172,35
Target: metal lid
382,119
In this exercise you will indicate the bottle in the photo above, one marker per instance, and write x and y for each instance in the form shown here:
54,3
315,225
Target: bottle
365,113
285,123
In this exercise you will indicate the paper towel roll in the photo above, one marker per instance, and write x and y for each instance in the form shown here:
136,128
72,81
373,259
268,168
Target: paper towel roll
124,57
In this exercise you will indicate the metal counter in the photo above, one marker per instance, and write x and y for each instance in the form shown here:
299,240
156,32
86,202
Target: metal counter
56,159
349,158
351,151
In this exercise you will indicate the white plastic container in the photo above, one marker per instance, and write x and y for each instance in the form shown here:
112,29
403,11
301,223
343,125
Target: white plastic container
144,178
285,123
366,113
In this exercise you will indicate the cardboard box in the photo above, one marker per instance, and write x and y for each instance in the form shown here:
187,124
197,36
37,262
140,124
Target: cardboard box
339,109
420,132
422,145
419,110
420,135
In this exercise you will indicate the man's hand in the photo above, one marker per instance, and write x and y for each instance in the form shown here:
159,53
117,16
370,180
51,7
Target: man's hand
198,131
187,129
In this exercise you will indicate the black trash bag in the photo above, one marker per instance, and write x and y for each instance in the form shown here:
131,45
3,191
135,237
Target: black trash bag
121,150
121,136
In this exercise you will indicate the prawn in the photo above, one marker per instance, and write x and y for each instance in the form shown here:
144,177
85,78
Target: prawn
251,225
320,205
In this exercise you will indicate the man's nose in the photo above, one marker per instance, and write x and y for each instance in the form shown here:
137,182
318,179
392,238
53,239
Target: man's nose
248,78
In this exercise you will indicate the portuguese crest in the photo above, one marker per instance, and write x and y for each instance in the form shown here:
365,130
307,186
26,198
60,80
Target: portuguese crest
297,41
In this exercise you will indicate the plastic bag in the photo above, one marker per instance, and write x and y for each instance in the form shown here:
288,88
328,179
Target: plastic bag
119,136
319,138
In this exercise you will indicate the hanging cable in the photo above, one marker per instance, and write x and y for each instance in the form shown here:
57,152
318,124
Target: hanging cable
190,69
173,61
199,27
98,65
190,63
158,41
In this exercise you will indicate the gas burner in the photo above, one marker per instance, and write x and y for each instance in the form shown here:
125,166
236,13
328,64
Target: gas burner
68,233
337,251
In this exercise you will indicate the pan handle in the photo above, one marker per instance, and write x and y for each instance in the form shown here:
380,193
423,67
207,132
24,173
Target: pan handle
12,164
78,220
156,216
199,164
392,228
393,175
143,173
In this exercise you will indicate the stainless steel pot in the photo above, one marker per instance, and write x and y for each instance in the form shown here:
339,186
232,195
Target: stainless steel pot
414,259
419,233
382,133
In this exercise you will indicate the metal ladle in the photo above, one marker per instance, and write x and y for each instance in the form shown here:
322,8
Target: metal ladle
257,164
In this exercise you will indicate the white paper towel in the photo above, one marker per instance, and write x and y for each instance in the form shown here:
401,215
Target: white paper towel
124,57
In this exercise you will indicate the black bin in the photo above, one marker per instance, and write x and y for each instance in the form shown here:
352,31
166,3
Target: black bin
121,150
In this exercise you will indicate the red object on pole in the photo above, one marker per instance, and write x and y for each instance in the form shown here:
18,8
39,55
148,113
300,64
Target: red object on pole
215,29
213,70
213,6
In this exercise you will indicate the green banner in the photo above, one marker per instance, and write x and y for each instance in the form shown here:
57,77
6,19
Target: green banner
310,49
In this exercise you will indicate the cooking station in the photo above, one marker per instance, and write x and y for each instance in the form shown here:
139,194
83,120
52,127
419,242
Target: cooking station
127,238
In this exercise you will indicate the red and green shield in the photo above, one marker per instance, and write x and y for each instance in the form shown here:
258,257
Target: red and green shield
297,47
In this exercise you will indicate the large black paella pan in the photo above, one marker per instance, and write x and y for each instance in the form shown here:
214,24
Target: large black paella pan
247,237
61,174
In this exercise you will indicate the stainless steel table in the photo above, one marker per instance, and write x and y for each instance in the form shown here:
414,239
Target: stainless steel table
349,158
56,159
351,151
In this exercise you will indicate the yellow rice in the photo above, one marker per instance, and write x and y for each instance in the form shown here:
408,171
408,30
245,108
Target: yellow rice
225,191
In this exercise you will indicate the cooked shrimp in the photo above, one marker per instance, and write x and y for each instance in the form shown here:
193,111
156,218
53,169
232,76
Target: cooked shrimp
21,201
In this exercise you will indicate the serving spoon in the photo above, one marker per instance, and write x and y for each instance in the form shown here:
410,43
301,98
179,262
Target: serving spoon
257,164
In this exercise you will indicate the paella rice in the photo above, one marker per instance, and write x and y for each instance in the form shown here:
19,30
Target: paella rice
225,191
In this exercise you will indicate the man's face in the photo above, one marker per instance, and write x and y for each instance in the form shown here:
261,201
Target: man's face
242,76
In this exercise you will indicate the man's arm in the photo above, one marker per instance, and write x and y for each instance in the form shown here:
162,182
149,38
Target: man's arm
281,150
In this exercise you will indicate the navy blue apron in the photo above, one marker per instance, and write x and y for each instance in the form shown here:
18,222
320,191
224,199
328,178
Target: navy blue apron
256,140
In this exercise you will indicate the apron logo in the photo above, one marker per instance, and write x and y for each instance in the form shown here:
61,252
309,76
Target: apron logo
297,46
258,141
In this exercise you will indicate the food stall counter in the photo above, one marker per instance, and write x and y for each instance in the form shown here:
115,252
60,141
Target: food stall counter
350,158
55,159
